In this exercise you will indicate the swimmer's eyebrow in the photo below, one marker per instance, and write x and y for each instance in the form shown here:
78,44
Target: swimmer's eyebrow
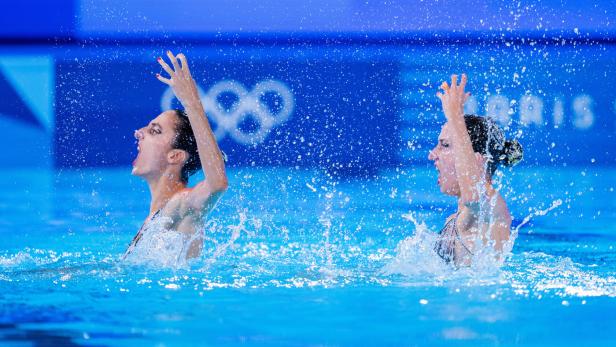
154,124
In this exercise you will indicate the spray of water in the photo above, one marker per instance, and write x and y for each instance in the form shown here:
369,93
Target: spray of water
221,249
160,246
415,254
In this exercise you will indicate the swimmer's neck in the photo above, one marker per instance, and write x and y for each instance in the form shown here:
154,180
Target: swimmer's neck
162,189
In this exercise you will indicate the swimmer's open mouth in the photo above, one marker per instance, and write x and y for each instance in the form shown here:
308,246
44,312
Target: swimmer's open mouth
138,152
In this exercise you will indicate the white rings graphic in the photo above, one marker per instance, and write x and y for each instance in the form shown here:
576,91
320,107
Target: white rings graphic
248,105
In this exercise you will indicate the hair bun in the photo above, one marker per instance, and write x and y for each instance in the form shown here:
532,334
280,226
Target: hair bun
512,153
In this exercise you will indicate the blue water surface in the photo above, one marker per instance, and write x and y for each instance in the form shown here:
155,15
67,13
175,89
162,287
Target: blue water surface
318,260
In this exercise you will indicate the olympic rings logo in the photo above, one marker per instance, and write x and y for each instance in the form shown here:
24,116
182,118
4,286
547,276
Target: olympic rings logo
248,105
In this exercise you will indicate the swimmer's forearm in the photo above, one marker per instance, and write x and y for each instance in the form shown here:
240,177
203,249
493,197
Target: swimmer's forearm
211,158
467,168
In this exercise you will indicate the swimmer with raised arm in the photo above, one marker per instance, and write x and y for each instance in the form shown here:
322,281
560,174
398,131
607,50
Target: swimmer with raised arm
468,152
173,146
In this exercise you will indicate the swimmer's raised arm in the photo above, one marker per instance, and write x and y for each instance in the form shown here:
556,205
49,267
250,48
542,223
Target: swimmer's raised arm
468,164
205,194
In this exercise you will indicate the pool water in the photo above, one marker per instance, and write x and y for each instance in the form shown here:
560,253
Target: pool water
296,257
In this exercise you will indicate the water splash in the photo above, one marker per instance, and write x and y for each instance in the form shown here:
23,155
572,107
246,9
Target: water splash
415,254
326,221
221,249
160,246
538,274
538,212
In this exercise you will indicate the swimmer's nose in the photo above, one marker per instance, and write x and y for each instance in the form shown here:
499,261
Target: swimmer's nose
138,134
431,155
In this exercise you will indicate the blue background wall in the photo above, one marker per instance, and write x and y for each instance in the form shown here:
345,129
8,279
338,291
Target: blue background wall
360,78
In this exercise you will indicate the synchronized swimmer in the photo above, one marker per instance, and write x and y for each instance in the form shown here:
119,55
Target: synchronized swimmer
176,143
468,151
172,147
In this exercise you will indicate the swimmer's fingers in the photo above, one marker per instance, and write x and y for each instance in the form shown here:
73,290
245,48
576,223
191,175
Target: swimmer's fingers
454,81
439,95
164,80
463,80
466,96
174,62
165,66
444,86
182,58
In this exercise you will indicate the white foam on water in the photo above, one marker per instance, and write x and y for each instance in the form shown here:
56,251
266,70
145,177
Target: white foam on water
539,274
19,259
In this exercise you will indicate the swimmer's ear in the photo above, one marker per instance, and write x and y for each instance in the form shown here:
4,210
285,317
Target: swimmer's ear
177,156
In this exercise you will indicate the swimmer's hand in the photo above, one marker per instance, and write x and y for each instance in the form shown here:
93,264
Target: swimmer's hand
469,166
180,80
453,97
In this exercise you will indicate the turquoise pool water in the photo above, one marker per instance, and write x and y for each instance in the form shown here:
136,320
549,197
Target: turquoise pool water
317,261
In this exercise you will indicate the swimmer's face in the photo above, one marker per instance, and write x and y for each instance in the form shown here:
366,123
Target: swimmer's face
154,142
443,157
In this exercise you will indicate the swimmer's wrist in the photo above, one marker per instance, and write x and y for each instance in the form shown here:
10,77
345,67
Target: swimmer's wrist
455,115
193,105
458,117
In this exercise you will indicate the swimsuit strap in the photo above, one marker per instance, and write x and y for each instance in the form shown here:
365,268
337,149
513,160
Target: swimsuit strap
460,239
137,238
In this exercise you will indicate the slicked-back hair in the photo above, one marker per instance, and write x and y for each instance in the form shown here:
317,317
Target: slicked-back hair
185,140
489,140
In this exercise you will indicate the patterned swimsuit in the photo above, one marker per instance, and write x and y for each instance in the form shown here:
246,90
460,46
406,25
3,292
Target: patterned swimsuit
445,245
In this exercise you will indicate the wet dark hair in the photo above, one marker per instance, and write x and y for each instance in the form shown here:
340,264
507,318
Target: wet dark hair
489,140
185,140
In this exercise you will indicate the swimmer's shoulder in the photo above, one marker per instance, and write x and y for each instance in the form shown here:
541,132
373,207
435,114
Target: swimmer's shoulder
501,210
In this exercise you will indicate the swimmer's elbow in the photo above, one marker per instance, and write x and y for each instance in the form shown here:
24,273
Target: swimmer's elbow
220,186
205,194
214,185
218,182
